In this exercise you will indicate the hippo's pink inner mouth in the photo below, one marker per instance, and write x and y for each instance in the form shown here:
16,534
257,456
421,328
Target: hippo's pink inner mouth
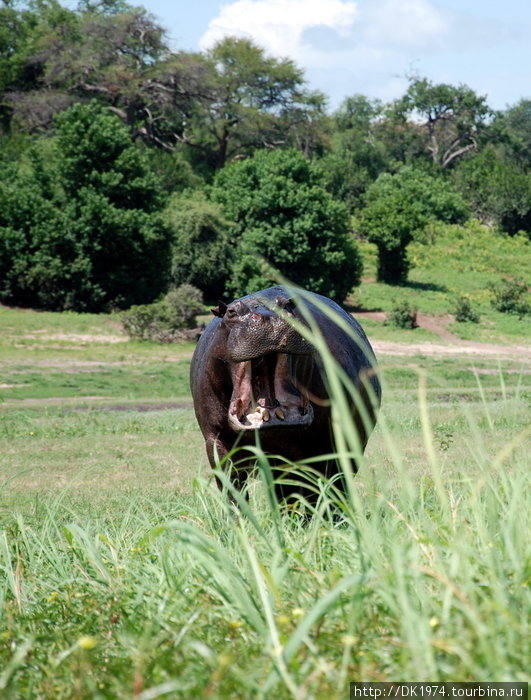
265,396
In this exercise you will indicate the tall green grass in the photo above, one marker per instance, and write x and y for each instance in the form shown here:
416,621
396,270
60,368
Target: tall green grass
419,571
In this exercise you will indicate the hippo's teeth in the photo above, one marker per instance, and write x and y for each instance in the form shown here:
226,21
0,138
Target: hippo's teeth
279,413
265,415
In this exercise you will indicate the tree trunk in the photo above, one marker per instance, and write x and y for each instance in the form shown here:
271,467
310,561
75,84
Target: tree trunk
393,265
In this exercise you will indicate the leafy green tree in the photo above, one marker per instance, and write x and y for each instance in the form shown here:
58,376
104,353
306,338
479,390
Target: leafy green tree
202,253
498,190
214,105
234,99
37,254
81,228
516,124
56,56
356,156
454,119
282,214
28,39
398,209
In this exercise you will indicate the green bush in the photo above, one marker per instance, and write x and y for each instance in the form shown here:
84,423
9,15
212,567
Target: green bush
403,316
464,312
511,297
201,251
80,224
282,215
167,320
498,190
398,209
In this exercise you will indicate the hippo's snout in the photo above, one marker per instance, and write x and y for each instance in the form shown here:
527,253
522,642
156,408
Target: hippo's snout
260,331
270,365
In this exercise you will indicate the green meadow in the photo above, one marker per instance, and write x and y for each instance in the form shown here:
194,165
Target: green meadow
127,573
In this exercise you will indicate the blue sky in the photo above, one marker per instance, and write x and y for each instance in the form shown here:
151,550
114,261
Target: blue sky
368,46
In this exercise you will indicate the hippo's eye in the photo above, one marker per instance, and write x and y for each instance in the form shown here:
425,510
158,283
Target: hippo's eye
231,312
286,304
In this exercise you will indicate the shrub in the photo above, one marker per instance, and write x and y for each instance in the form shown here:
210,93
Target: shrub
165,321
499,190
398,208
403,316
283,215
201,251
511,297
80,227
464,312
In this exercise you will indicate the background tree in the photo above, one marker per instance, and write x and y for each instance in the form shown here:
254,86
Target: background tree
110,51
283,214
454,119
516,125
305,125
202,254
498,190
240,100
398,209
80,227
28,38
356,157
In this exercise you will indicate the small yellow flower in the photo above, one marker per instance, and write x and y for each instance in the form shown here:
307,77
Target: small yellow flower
349,640
282,620
235,624
434,621
87,642
297,613
224,660
53,595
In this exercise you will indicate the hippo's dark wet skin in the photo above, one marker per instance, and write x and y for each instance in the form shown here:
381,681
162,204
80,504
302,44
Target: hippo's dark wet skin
253,372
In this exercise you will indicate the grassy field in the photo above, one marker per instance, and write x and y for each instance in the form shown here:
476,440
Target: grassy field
126,573
460,261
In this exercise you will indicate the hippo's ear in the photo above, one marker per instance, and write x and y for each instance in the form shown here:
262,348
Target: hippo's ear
220,309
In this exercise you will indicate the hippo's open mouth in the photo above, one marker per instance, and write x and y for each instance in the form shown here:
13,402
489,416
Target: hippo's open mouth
264,393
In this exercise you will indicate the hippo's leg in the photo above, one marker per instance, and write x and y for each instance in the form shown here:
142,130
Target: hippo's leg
217,453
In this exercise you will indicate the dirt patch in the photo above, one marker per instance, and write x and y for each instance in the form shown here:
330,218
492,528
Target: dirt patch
379,316
52,400
516,353
84,338
438,325
141,407
456,346
435,324
98,404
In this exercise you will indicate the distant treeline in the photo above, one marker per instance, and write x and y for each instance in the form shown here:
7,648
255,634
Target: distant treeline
128,169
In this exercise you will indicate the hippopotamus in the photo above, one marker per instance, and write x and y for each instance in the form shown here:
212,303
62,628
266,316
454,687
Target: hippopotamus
253,375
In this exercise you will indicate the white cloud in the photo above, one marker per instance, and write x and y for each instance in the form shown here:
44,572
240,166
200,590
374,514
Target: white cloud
279,25
364,46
